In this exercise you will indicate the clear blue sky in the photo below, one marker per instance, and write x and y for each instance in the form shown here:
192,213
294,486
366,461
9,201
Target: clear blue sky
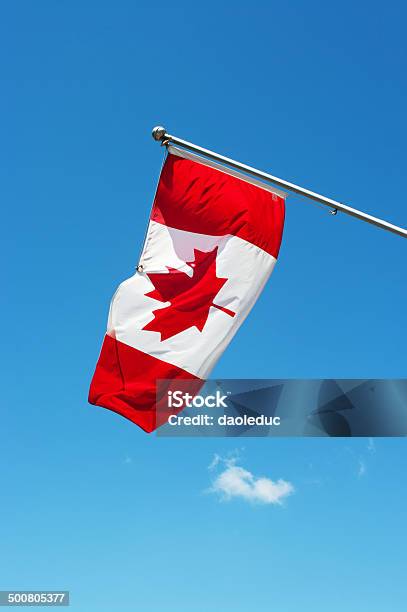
312,91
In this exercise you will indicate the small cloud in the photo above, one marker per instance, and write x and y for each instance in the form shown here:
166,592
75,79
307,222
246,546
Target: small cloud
127,460
371,446
361,468
231,458
216,459
237,482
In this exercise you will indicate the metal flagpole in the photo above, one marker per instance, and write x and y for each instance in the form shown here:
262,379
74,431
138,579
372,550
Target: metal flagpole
160,134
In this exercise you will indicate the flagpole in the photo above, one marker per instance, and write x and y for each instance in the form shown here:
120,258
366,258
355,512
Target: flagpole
160,134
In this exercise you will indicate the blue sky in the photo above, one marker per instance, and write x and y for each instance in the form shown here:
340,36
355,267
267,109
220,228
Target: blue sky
311,91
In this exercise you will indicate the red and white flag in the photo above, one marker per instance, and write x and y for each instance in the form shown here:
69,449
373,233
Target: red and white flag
212,243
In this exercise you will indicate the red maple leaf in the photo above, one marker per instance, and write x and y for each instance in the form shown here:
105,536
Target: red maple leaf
191,296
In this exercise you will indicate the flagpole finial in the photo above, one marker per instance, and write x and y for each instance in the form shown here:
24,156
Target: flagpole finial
158,132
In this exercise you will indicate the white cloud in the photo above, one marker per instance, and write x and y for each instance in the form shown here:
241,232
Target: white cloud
236,482
371,446
361,468
216,459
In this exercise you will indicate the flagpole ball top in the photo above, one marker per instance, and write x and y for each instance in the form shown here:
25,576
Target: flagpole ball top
158,132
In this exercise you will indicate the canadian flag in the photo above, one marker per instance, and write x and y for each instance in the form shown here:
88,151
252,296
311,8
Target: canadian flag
212,243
